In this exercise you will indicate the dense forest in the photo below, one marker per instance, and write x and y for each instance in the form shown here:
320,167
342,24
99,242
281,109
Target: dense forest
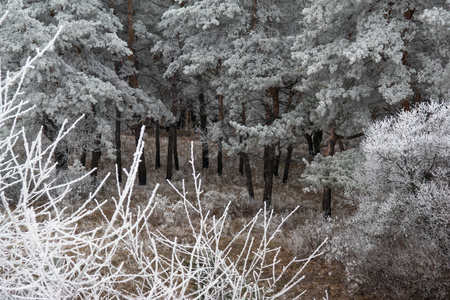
343,100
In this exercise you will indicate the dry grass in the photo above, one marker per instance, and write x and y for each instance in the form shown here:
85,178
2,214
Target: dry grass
302,233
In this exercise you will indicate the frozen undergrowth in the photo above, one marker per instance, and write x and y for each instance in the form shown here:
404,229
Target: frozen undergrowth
45,255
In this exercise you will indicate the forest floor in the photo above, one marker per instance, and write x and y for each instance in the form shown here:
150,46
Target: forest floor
301,234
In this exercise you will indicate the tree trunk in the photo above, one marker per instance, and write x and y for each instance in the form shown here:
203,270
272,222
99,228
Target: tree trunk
276,163
157,147
142,169
170,150
241,161
272,112
61,156
248,174
203,121
134,83
287,163
118,143
326,195
219,154
316,139
269,156
175,151
326,203
83,158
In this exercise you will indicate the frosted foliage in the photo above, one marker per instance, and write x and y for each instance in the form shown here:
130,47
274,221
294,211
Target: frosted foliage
107,249
335,171
366,54
399,243
79,76
404,151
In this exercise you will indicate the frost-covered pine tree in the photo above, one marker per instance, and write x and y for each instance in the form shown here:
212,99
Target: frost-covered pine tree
80,77
358,60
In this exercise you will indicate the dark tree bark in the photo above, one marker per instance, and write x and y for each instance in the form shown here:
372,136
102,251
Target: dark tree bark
61,156
269,156
175,150
248,174
317,139
287,163
203,121
170,150
326,195
118,143
219,154
276,163
272,112
326,203
157,147
241,161
134,83
83,158
172,143
142,169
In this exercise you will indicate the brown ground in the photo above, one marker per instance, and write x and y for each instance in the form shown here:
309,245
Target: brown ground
321,275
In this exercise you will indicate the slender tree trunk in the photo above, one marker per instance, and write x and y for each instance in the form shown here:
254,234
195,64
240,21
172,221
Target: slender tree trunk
170,150
118,143
175,151
269,156
134,83
326,203
157,147
248,174
83,158
142,169
219,154
287,163
241,161
171,147
326,195
276,163
61,156
203,121
269,150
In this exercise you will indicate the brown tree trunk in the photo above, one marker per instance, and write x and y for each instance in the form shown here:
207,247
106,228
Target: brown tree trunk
172,144
241,161
134,83
175,150
157,147
118,143
326,195
142,169
276,163
269,156
248,174
326,203
83,158
287,163
170,150
219,154
203,121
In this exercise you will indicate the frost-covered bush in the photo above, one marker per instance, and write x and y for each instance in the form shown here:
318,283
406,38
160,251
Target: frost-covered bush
335,171
398,241
109,250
